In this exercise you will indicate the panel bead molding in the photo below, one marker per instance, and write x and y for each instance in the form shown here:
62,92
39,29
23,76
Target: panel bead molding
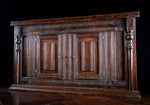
85,55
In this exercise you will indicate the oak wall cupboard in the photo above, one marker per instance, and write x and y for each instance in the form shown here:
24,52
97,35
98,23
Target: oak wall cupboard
86,54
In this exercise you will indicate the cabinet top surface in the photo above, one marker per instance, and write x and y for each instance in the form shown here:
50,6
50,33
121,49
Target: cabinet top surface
76,19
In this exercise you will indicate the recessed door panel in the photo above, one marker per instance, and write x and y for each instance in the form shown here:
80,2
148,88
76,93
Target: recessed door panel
88,54
48,55
50,64
85,61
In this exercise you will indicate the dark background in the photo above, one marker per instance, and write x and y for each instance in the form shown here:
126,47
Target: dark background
11,10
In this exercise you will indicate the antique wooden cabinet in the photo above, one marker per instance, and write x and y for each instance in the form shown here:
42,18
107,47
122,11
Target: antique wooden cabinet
85,54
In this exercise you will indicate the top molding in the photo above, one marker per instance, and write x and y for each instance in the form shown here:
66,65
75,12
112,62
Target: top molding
76,19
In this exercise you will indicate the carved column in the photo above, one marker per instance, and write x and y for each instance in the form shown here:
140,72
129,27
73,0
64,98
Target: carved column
130,58
131,52
17,51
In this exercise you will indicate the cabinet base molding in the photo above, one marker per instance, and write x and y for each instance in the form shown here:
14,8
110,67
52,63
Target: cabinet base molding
78,90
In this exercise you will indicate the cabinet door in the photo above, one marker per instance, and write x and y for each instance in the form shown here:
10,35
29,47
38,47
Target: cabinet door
50,64
99,56
85,55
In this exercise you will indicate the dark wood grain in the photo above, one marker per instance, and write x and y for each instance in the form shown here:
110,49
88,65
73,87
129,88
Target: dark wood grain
8,97
77,19
77,53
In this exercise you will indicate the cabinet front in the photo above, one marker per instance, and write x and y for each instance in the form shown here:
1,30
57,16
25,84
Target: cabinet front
84,54
82,57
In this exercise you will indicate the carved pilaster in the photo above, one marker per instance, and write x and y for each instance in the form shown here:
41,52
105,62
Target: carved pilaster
131,52
18,42
17,55
130,47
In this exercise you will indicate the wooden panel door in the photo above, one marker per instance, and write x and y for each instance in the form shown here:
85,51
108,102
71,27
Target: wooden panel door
85,53
100,56
50,64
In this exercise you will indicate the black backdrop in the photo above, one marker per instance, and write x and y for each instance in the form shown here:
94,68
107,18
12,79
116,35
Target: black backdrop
11,10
